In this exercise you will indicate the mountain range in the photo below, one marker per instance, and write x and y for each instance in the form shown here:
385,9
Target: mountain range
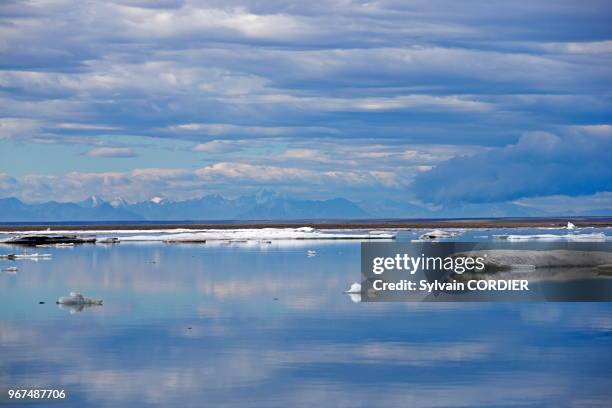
264,205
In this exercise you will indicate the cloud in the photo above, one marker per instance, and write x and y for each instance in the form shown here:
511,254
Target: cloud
219,146
304,154
358,89
186,69
231,130
7,183
80,126
539,164
17,127
229,178
271,175
599,202
111,152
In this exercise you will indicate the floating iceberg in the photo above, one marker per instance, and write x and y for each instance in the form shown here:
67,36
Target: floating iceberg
570,226
36,239
354,292
437,234
597,237
310,253
11,269
76,299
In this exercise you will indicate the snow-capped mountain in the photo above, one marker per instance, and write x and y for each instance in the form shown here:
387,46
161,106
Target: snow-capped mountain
264,205
261,206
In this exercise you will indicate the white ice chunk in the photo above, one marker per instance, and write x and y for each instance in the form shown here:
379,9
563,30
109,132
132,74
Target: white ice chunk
438,234
77,299
355,288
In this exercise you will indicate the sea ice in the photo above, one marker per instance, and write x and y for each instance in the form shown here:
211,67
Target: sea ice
596,237
258,234
437,234
77,299
524,260
234,235
355,288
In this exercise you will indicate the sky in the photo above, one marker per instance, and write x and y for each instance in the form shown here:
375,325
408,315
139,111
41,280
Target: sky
437,102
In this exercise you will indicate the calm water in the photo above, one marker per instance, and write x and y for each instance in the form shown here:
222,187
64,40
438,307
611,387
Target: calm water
265,325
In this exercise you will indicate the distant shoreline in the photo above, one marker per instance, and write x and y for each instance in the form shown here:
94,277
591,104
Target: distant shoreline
553,222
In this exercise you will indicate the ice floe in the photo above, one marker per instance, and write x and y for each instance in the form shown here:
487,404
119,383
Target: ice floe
355,288
570,226
103,231
596,237
525,260
108,240
438,234
259,234
77,299
37,239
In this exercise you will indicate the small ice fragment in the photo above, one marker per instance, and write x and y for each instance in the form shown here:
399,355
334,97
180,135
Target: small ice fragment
305,229
437,234
108,240
570,226
355,288
311,253
10,269
77,299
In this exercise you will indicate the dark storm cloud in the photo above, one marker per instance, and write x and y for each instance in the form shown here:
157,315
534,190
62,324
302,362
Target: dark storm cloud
540,164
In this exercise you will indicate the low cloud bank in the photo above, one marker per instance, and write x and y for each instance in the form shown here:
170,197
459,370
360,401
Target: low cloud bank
539,164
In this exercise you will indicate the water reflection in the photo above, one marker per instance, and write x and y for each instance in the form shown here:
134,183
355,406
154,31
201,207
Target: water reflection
76,308
266,325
